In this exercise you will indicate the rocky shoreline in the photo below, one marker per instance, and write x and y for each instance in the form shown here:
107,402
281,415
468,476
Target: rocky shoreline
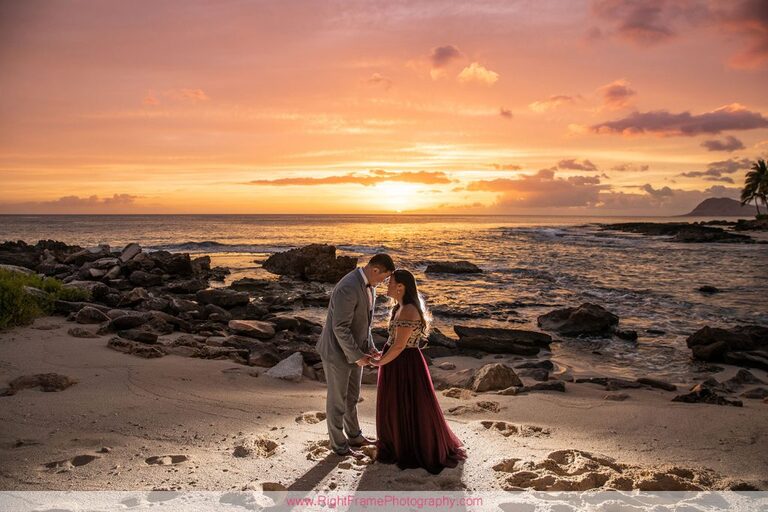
685,232
141,298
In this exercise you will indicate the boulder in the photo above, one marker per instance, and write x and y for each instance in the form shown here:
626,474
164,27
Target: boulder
178,264
705,395
495,376
178,305
453,267
89,254
587,319
129,252
139,335
253,328
315,262
501,341
263,355
17,269
127,321
186,286
459,379
437,338
745,345
291,368
758,393
222,297
136,348
145,279
91,315
133,297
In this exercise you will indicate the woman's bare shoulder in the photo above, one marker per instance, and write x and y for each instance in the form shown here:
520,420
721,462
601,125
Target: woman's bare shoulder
409,312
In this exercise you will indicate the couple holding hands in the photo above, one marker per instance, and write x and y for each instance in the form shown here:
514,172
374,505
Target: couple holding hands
410,426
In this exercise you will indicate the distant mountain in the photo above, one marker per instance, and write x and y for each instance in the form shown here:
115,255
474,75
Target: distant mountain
721,207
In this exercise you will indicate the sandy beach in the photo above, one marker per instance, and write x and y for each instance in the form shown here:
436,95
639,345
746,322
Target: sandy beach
179,423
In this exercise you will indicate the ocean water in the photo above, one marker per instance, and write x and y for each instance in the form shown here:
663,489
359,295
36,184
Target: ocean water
532,264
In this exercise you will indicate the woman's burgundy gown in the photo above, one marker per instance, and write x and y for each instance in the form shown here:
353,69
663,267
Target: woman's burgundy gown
411,430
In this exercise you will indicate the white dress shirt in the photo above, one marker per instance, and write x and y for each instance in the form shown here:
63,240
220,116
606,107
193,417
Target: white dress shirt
369,290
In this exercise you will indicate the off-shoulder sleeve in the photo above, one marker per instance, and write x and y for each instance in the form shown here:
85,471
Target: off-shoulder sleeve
406,323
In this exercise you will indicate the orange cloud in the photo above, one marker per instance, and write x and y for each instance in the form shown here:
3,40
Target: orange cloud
543,189
475,72
617,94
551,103
74,204
372,178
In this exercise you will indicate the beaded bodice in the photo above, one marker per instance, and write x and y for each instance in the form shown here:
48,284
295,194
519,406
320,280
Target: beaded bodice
413,339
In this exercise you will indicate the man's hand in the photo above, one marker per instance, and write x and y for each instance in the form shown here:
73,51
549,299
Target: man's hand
375,354
363,361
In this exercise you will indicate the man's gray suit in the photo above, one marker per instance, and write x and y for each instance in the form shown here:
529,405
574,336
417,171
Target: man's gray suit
346,338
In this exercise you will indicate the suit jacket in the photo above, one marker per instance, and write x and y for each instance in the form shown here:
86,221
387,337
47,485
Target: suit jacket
346,335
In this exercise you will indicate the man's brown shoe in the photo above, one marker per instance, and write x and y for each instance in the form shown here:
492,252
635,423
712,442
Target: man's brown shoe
350,453
361,440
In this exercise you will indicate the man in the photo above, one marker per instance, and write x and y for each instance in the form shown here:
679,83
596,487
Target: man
346,346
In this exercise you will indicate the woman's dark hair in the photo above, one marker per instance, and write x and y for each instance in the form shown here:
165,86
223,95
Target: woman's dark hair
411,296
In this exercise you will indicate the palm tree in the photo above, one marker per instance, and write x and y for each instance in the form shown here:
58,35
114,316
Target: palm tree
756,185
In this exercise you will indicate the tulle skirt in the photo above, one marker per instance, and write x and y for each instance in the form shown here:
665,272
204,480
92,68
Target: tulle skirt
411,430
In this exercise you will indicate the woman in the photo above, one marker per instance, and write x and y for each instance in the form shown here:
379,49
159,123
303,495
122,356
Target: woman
410,426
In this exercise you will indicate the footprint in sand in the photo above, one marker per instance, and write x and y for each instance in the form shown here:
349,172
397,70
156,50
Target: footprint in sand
459,393
255,447
166,460
318,450
508,429
576,470
61,466
481,406
311,417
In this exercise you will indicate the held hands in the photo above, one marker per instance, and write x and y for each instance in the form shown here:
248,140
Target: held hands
375,356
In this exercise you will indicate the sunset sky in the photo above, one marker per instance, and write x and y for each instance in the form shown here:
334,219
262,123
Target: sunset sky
561,107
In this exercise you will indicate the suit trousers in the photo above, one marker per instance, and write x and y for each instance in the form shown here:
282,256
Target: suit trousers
343,383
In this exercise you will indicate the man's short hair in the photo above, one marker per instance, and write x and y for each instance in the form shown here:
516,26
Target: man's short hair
383,261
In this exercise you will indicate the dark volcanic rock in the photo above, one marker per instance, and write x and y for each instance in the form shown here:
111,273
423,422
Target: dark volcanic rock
437,338
139,335
655,383
315,262
453,267
501,341
91,315
136,348
610,383
587,319
745,345
751,225
705,395
141,278
127,321
187,286
222,297
680,232
173,263
129,252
